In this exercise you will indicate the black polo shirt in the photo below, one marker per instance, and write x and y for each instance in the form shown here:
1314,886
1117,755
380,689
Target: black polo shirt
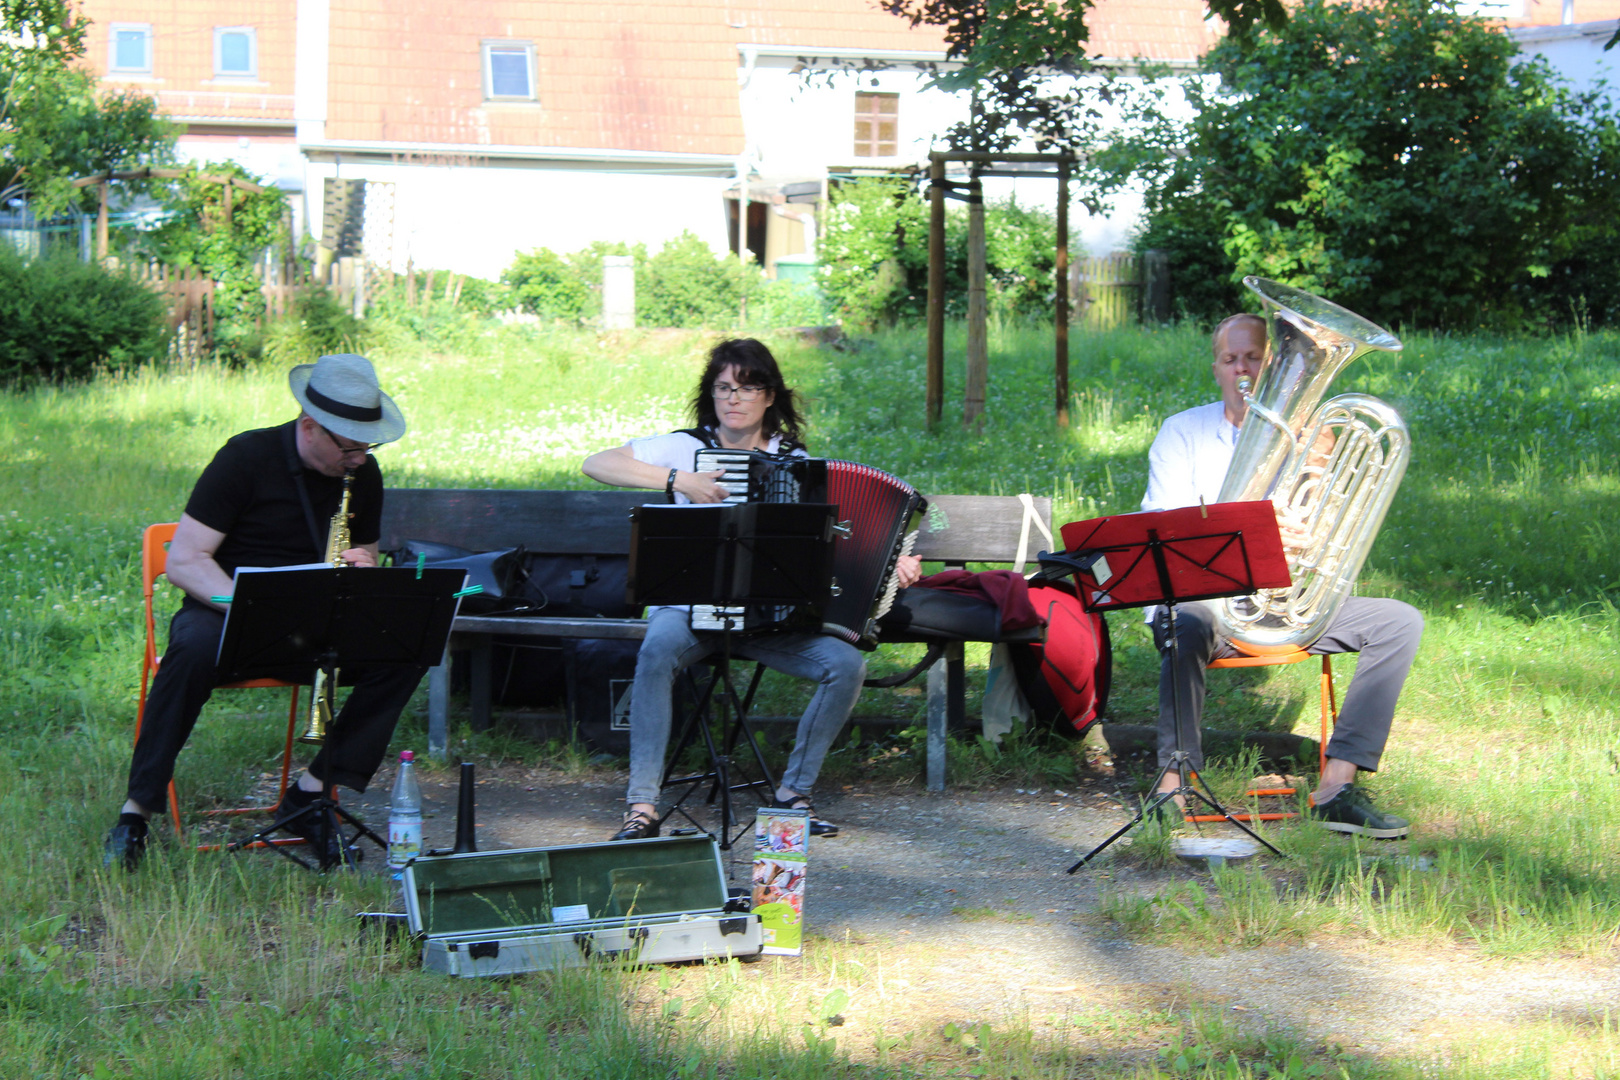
249,492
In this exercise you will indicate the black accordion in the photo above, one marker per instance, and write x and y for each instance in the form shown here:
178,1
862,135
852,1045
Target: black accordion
882,512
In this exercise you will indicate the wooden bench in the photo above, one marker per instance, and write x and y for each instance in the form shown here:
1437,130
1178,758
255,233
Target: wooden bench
959,529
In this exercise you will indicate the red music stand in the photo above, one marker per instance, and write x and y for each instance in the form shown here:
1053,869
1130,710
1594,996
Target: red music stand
1170,557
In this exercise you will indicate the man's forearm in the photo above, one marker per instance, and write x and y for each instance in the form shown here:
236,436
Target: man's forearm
201,578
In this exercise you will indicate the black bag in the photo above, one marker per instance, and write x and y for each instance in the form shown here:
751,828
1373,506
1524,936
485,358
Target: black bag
501,574
577,585
601,672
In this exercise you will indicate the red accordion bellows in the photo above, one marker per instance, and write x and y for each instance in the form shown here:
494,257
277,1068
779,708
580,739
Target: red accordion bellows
879,509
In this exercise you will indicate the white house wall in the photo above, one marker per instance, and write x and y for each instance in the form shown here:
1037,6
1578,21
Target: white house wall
800,124
474,220
1575,52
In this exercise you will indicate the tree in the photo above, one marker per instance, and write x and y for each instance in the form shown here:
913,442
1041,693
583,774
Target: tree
1025,63
1391,155
874,255
225,241
55,124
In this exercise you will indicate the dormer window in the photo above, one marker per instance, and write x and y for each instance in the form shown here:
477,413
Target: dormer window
236,52
509,71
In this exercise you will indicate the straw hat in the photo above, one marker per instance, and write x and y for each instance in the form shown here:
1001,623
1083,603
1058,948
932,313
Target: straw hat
342,394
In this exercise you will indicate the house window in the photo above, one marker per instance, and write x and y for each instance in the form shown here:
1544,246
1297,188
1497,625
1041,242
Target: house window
131,48
509,70
236,52
877,125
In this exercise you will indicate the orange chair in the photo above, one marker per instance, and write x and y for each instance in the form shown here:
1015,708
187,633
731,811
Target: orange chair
1329,718
154,558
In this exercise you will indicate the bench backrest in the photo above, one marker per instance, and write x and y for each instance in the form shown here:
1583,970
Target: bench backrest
958,528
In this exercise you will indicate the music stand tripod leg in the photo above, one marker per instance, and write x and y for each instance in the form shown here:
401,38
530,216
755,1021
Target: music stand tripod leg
696,722
1179,761
330,817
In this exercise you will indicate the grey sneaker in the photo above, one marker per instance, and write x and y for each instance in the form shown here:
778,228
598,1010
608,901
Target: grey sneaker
1352,811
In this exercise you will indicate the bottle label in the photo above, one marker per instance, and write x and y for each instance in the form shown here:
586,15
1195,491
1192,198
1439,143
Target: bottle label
404,842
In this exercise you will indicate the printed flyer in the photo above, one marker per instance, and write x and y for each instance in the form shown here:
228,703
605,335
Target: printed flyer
780,858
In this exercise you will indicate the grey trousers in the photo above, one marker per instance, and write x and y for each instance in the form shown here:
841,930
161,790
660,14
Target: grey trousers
671,646
1386,634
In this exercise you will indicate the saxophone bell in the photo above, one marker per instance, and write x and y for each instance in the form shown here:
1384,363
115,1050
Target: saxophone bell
322,698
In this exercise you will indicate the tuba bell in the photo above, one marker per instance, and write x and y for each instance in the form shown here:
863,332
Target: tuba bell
1343,496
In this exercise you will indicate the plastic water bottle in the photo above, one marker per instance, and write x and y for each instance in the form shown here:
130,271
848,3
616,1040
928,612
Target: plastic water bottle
404,816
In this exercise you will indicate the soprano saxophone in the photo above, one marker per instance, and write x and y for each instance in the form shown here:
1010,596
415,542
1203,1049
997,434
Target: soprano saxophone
323,693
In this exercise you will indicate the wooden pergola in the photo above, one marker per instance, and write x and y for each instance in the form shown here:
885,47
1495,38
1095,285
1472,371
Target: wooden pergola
104,182
978,376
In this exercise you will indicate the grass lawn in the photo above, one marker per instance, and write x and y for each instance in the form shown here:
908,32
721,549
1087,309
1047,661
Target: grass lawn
1506,752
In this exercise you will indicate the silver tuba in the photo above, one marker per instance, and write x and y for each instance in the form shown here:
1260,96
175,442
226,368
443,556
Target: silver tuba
1342,499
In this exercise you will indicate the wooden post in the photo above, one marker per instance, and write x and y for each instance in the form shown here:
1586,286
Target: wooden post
229,189
936,287
978,359
101,224
1060,326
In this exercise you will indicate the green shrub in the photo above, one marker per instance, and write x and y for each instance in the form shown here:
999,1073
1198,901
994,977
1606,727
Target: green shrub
547,284
1398,157
874,256
787,303
61,319
226,241
685,283
318,325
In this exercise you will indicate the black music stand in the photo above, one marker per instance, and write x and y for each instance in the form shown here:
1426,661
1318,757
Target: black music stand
728,555
286,623
1171,557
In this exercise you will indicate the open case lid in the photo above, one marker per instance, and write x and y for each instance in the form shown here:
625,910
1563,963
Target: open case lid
563,886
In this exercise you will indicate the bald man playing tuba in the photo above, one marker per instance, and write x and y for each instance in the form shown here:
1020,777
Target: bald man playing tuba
1187,464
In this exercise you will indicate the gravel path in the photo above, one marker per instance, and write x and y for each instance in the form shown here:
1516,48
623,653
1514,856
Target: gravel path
966,893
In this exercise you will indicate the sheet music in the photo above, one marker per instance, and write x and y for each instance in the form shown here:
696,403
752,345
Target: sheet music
237,576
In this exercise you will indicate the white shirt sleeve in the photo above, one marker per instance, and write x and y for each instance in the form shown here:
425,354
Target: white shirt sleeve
676,450
1189,458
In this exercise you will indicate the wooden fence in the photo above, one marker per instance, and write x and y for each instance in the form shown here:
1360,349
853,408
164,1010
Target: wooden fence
190,295
1118,289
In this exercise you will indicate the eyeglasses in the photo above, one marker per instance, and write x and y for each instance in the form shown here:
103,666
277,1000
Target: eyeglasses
362,448
744,393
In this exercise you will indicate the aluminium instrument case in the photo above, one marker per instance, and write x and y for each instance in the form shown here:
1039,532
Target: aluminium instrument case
532,909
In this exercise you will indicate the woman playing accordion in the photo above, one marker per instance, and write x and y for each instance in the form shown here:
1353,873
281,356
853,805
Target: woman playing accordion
741,403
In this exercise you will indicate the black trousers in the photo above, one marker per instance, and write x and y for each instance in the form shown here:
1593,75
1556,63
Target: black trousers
355,743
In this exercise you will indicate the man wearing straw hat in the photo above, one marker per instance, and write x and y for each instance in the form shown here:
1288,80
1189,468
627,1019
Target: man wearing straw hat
266,500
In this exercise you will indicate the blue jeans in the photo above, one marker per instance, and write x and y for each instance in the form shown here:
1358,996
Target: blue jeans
670,647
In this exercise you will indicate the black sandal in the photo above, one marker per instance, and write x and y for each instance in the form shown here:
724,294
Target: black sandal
638,825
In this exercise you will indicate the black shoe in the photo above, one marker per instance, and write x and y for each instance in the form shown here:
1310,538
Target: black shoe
125,845
638,825
1352,811
330,849
799,802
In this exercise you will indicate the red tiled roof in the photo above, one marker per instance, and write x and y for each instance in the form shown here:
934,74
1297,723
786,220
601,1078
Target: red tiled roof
182,76
613,75
1551,12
